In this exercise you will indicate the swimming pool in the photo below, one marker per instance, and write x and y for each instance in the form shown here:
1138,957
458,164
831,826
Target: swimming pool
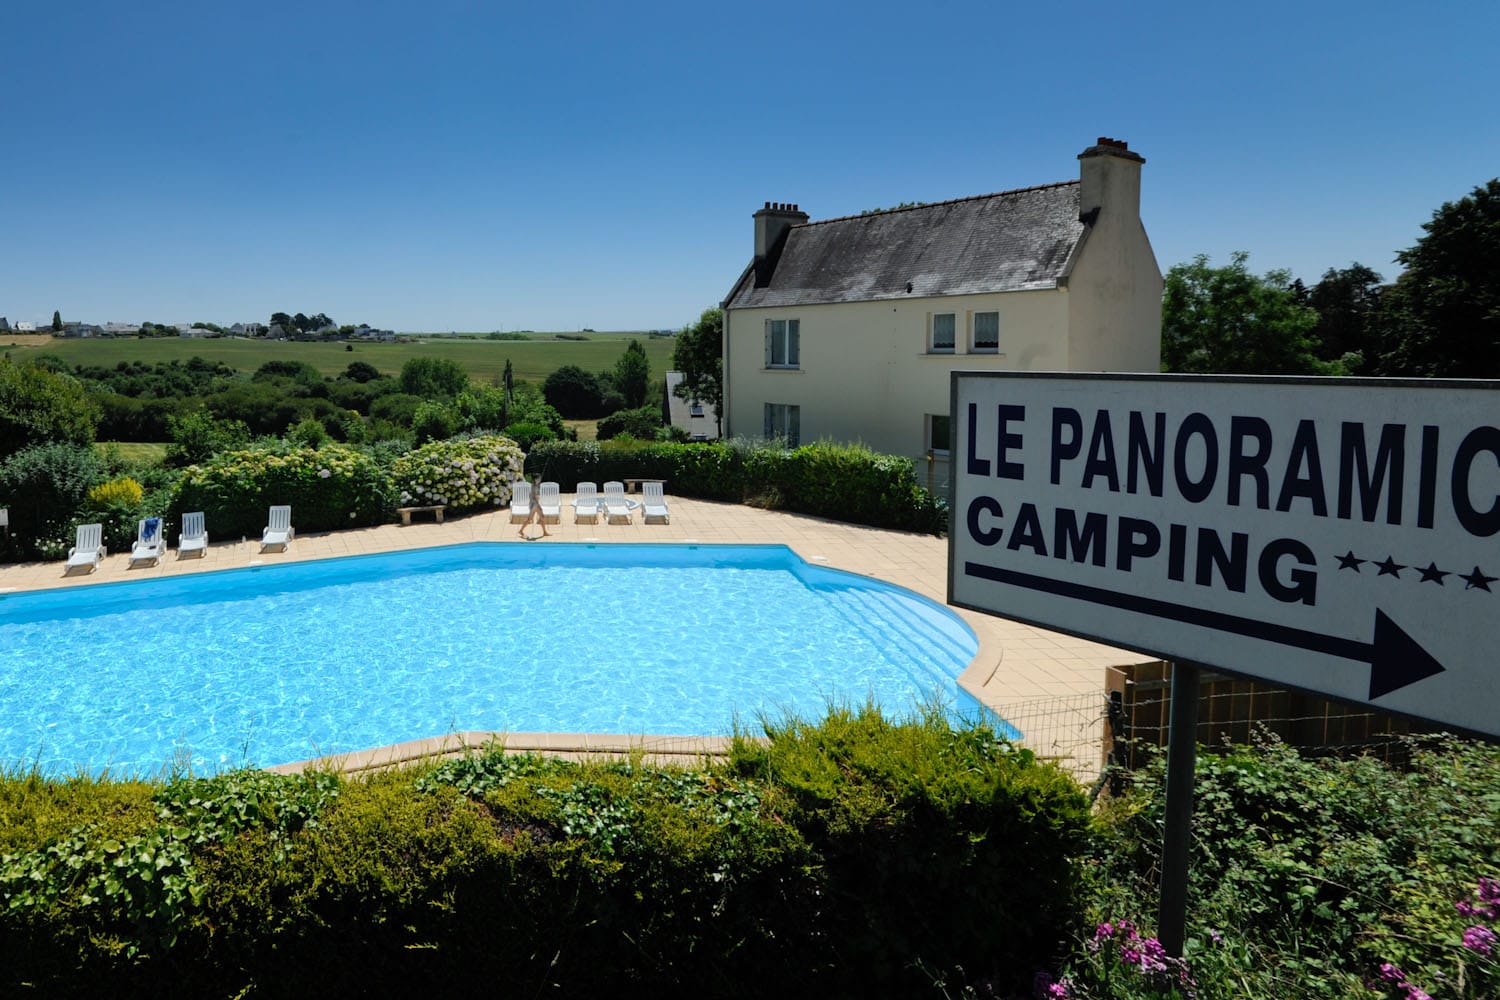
270,664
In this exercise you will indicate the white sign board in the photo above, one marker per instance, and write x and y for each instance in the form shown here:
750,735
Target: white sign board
1337,535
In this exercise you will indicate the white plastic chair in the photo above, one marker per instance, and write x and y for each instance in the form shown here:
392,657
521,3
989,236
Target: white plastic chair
549,498
615,504
193,537
520,501
279,531
88,549
586,504
654,504
149,541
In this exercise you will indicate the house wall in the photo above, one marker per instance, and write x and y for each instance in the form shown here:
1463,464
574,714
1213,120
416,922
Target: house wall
865,373
1115,291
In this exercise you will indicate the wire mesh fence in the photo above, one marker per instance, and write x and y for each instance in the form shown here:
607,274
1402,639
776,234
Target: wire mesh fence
1128,719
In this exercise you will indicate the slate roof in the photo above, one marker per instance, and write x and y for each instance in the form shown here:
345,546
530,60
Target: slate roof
1006,242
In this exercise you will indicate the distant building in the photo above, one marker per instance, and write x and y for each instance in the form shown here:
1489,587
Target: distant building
4,325
22,326
121,329
698,418
248,330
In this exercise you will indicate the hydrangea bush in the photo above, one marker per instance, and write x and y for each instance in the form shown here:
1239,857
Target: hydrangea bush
330,487
464,474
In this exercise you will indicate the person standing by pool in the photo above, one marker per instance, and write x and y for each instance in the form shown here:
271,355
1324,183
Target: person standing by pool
536,510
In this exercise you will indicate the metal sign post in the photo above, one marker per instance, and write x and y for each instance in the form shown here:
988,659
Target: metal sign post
1177,837
1333,535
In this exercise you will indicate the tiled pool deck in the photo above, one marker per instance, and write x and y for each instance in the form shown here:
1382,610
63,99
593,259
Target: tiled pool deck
1022,672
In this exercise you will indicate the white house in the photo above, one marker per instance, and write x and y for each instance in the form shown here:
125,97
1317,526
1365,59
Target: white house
848,328
699,419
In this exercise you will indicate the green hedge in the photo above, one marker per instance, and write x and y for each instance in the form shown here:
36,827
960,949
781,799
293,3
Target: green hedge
328,488
842,482
850,858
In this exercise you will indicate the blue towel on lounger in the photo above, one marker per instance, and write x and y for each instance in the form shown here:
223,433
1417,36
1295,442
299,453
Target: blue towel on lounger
148,531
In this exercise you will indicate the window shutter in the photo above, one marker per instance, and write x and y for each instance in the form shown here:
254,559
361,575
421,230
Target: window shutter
793,426
768,346
794,345
769,431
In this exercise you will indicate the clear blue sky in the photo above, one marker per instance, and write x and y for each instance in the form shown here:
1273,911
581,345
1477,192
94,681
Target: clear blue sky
479,165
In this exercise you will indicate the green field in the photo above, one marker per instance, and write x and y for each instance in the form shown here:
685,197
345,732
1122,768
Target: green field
532,360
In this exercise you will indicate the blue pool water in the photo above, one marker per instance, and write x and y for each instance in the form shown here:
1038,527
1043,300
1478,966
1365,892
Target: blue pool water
270,664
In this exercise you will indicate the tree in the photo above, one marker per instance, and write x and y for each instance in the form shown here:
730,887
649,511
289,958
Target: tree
1442,316
699,355
429,377
361,371
56,321
1225,319
1347,302
574,392
632,375
40,407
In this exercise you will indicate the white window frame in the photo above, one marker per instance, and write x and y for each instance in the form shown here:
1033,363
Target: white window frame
929,425
933,347
974,345
695,409
784,421
783,343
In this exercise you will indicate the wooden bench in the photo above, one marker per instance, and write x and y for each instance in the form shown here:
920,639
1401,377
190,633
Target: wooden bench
436,510
634,485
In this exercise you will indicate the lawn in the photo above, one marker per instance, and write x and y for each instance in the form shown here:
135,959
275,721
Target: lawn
532,360
135,452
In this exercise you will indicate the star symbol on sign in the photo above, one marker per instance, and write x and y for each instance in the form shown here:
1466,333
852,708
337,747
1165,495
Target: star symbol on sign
1347,561
1478,579
1390,567
1434,574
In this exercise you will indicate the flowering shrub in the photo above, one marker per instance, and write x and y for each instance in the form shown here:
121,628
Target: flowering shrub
125,492
465,474
1478,974
331,487
1119,962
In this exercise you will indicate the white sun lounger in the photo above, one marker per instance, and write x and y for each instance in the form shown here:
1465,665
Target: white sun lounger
193,537
615,504
586,504
549,498
520,501
279,531
88,549
149,541
654,504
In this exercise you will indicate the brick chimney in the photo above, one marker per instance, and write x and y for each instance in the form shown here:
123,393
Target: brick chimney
1111,179
771,222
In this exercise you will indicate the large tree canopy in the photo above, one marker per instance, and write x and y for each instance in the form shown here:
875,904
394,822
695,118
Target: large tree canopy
1442,316
699,355
1225,319
38,407
1347,301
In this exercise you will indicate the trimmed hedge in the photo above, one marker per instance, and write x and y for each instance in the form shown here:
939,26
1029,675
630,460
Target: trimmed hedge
855,857
842,482
330,487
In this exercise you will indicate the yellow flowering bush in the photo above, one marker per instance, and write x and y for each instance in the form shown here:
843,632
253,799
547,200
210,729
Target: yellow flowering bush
334,486
123,492
464,474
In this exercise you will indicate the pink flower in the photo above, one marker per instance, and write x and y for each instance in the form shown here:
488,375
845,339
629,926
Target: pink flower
1391,973
1153,956
1480,939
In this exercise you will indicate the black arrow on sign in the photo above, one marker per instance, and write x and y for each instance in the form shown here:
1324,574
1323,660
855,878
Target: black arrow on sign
1395,658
